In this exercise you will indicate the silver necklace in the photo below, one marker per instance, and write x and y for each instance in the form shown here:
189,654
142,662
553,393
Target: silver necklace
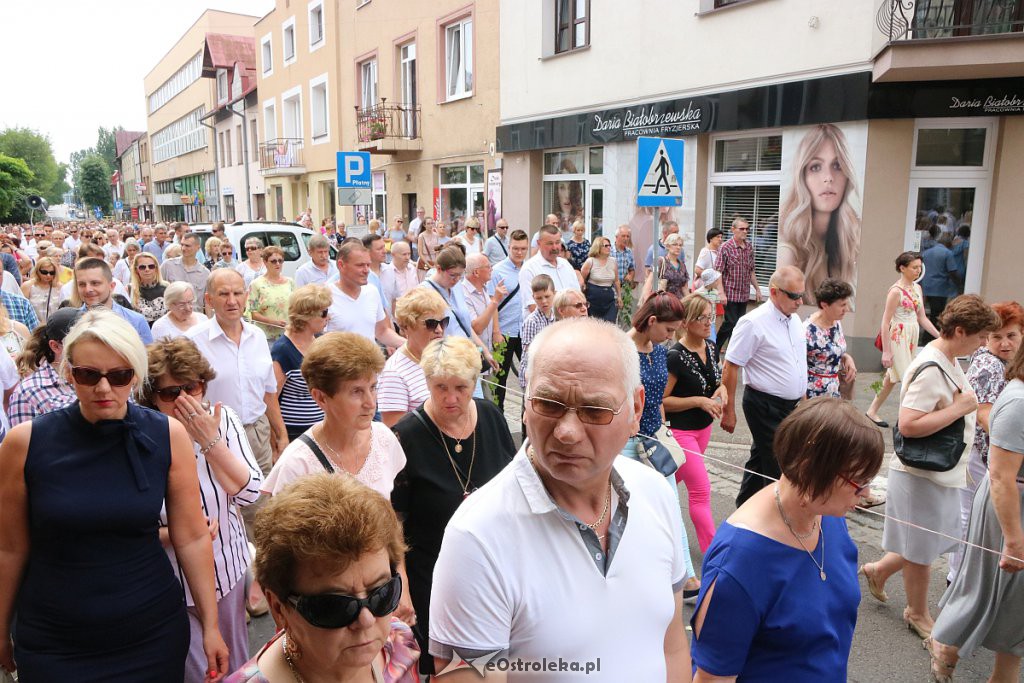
799,538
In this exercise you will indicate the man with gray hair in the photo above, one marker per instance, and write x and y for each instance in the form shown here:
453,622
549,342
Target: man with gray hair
319,269
187,268
540,543
769,345
669,228
482,298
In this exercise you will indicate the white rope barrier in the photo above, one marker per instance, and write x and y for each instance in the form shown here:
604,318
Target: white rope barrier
705,456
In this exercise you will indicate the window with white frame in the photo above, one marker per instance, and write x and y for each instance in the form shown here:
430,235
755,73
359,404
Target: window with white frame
288,40
461,191
319,109
222,86
568,179
236,84
572,25
316,24
291,113
267,54
368,84
182,78
269,121
238,145
185,135
745,179
458,53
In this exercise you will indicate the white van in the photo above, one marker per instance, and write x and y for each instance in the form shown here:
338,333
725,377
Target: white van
291,237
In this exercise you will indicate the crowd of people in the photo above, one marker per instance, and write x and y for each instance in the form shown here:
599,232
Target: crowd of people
191,437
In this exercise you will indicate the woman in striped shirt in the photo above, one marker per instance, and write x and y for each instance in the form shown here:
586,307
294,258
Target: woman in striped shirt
229,478
307,318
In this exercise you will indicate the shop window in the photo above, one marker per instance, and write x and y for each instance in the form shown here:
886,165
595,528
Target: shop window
461,192
572,25
745,181
568,179
950,147
380,198
458,53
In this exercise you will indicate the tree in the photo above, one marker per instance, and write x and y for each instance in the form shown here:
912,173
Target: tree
56,195
106,144
37,152
15,179
94,182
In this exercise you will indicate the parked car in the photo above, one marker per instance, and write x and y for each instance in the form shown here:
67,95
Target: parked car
291,237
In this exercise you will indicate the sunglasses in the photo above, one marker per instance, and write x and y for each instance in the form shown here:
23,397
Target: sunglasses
146,266
581,305
336,610
47,272
251,248
795,296
90,377
324,313
275,261
432,324
170,393
591,415
859,489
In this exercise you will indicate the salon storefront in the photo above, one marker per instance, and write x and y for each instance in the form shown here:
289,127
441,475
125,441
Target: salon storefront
905,150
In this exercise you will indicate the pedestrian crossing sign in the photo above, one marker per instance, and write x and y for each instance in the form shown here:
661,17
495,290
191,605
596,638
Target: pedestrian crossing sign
659,172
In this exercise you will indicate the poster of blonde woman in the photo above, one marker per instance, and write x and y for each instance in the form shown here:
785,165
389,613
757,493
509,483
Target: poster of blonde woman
819,217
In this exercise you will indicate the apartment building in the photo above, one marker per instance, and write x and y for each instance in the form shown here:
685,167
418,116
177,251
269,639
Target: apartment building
231,62
132,177
414,84
917,104
181,143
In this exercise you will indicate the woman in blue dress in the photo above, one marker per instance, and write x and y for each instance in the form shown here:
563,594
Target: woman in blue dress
83,576
780,591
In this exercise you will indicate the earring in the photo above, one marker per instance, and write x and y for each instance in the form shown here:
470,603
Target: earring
291,648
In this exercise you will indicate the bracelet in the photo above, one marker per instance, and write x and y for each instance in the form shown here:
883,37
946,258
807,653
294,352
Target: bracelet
208,447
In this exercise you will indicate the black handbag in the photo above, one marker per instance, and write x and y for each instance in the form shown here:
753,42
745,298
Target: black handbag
656,455
938,452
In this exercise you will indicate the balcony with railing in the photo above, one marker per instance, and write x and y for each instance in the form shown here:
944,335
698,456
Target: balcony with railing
389,128
950,39
282,156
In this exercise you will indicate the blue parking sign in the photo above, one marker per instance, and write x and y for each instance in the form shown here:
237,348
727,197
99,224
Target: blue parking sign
354,170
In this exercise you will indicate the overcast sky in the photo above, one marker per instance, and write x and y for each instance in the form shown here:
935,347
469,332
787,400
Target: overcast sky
71,66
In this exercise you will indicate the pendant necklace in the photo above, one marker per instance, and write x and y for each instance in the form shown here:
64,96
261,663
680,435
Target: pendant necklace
455,468
799,537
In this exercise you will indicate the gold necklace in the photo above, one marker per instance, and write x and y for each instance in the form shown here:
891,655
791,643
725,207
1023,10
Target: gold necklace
607,498
288,659
455,468
799,538
458,442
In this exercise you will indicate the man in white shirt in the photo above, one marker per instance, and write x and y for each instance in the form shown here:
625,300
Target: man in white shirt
187,268
769,344
399,276
319,269
550,219
114,243
496,247
415,223
482,299
569,533
357,306
546,262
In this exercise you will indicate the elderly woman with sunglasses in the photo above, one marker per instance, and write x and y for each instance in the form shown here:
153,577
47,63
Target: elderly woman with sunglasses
422,317
180,299
268,295
83,575
329,549
148,288
252,267
307,317
229,478
455,444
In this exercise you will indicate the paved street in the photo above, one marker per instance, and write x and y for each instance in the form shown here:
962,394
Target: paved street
883,648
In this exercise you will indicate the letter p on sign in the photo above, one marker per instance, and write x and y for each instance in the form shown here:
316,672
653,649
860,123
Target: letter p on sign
354,170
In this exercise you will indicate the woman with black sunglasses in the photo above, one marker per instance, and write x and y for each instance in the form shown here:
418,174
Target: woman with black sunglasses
422,317
328,555
83,576
148,288
42,289
229,479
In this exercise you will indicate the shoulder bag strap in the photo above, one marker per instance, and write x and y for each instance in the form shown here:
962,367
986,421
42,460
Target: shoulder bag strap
508,298
501,244
306,439
455,314
924,366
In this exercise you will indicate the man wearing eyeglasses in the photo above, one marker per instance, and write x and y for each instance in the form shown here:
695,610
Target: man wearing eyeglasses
569,534
736,263
510,313
187,268
159,243
770,346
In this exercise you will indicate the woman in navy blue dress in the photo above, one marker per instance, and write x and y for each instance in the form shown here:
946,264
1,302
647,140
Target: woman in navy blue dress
83,577
779,592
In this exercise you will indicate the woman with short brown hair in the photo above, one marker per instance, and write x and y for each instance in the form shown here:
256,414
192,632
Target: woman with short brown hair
268,295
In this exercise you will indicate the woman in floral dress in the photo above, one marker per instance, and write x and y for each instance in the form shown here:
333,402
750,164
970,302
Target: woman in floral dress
827,359
901,326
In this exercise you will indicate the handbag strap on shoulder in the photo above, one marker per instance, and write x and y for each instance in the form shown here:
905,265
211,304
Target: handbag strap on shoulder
927,364
313,446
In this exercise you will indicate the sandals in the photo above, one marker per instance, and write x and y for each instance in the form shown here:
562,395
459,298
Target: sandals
878,592
941,670
878,423
921,631
874,500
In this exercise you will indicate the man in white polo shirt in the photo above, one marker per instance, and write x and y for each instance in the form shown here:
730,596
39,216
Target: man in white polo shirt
546,262
357,306
319,269
571,554
769,344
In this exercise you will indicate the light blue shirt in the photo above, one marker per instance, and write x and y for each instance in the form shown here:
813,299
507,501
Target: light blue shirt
510,317
134,319
309,274
155,249
374,280
496,249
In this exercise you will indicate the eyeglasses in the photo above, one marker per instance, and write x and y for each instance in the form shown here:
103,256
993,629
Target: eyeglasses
859,489
336,610
795,296
581,305
170,393
706,318
183,304
47,272
432,323
251,248
146,266
275,261
740,229
591,415
90,377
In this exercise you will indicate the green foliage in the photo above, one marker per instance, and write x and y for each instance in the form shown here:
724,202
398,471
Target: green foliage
106,146
94,182
876,386
15,180
626,312
56,194
498,352
37,153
